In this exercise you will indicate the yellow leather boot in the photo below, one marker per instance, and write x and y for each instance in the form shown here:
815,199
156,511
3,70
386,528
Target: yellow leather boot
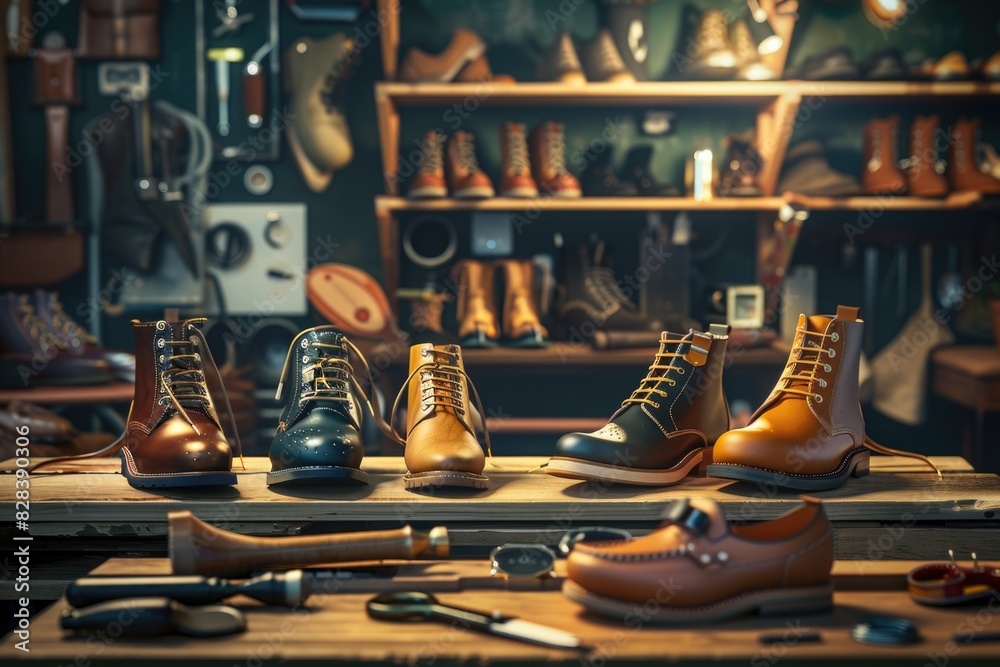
476,305
522,325
441,444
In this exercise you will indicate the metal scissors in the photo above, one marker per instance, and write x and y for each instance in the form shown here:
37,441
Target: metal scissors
413,605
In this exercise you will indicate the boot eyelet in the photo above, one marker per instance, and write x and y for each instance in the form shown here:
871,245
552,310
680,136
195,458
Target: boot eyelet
680,370
304,344
194,341
822,382
832,352
835,336
656,405
161,358
161,325
425,352
197,357
305,359
818,398
160,342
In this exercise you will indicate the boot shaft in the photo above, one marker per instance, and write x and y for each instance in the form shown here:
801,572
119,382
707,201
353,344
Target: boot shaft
22,330
548,150
432,155
514,159
881,172
923,177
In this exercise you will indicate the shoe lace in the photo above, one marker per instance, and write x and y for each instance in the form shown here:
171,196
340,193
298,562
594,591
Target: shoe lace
567,59
331,377
465,148
183,380
431,157
742,40
608,52
441,387
555,148
605,283
658,373
518,147
713,29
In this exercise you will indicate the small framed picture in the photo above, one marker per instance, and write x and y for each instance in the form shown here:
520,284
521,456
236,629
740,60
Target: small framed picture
745,306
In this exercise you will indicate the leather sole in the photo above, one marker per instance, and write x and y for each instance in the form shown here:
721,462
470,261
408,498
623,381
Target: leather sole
771,602
334,474
561,466
140,480
429,192
478,339
480,192
855,464
520,193
417,480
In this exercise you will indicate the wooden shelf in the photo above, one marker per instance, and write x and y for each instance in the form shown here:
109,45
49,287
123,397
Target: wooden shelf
677,93
959,200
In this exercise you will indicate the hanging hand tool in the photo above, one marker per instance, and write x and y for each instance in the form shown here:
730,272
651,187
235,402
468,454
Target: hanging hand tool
55,89
231,18
255,87
222,59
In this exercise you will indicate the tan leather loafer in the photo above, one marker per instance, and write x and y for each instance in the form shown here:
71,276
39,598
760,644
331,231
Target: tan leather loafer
696,569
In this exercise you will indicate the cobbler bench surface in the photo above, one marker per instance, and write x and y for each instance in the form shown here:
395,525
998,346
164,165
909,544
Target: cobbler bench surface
332,628
901,510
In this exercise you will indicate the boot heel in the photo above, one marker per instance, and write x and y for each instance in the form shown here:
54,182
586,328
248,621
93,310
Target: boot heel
706,460
812,600
861,465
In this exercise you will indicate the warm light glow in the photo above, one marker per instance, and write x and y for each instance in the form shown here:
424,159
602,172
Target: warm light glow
889,5
771,44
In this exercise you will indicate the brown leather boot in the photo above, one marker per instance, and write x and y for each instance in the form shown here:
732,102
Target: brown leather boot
479,71
561,64
922,177
881,174
422,67
477,311
465,179
174,436
809,434
963,171
522,325
548,161
515,169
429,181
33,354
441,444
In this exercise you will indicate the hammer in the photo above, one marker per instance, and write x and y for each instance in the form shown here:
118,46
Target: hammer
222,58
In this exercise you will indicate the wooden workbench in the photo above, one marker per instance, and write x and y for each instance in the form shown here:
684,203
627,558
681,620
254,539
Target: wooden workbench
333,629
901,510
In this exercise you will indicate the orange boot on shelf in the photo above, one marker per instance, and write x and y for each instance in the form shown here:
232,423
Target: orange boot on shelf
881,174
515,168
479,71
441,444
922,177
429,181
963,171
476,306
465,179
422,67
522,326
548,161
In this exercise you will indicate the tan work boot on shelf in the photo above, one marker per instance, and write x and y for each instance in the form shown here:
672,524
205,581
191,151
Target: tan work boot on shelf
421,67
465,179
316,73
602,61
561,64
522,325
881,173
809,434
712,54
963,171
476,305
548,161
747,56
429,181
441,444
922,176
515,167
